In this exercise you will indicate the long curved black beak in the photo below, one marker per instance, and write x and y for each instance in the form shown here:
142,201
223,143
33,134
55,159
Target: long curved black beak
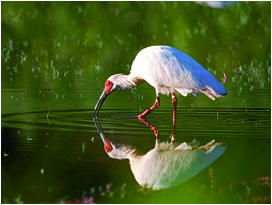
99,103
99,129
107,143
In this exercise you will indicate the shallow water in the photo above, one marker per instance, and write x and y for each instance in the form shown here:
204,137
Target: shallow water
34,142
55,60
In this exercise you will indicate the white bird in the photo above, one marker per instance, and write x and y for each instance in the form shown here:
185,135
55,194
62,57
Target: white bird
167,70
167,165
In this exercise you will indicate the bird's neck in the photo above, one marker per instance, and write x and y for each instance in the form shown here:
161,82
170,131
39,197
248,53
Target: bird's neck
127,81
135,156
135,79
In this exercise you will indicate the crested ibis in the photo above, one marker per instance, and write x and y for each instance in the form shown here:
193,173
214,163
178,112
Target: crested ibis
168,70
168,164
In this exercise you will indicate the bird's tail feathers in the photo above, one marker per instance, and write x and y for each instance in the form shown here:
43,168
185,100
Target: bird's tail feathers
211,145
188,146
195,145
209,92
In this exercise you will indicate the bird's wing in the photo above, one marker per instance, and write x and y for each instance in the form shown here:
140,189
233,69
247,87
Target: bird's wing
169,70
161,170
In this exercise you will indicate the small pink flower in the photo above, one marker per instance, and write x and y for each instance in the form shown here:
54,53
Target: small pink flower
108,188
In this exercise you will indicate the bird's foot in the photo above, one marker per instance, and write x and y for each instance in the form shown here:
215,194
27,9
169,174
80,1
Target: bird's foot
143,120
140,116
144,114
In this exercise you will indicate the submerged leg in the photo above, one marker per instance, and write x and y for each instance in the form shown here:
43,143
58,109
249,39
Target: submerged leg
174,102
156,104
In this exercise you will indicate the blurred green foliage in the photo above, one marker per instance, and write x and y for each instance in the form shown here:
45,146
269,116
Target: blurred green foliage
60,45
106,31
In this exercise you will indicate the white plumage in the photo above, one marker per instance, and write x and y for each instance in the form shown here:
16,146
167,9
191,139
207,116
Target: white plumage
166,165
168,70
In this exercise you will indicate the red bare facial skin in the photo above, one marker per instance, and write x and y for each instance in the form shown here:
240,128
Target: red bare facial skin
107,146
108,86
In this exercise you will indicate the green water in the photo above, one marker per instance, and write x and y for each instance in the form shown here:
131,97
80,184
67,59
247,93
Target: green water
55,59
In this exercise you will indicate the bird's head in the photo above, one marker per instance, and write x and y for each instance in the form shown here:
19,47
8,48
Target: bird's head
113,83
116,150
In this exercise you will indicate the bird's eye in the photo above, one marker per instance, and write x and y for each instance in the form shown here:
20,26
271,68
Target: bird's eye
107,83
108,86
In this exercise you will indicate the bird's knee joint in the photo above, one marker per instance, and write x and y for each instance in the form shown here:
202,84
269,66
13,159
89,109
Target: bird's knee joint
174,100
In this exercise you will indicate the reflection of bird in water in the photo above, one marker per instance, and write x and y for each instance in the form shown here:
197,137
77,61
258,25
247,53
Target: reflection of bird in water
168,164
168,70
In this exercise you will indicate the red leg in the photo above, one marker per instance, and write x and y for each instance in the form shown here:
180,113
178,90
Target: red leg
156,104
156,132
174,102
